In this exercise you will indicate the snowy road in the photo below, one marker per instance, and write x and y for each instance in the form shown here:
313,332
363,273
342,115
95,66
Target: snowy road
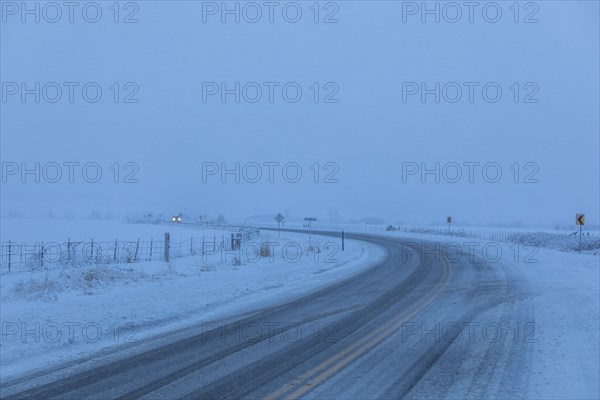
414,325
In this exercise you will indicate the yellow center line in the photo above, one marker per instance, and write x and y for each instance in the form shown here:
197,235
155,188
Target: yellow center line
398,322
362,345
336,357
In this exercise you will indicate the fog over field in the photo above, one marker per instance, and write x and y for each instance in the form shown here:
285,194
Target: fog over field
493,120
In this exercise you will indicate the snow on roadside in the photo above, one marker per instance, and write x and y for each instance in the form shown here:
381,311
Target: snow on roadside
562,241
564,289
67,313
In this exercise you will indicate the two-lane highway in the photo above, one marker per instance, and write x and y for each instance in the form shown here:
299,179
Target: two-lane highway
415,325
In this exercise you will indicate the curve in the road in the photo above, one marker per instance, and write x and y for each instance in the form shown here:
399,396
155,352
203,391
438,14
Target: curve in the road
367,354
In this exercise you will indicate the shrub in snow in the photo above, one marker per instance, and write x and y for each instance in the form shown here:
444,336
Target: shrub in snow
45,289
78,278
313,249
208,268
99,276
265,249
557,241
554,241
35,262
171,266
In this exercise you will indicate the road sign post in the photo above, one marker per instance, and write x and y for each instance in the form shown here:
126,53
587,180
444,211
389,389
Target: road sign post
342,240
279,218
310,220
580,220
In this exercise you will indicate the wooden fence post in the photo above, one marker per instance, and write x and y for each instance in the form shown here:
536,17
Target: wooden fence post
167,240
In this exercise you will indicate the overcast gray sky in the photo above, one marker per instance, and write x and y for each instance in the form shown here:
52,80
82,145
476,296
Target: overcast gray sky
367,115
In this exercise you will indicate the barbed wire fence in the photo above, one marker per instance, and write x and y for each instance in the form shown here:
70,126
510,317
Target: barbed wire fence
19,257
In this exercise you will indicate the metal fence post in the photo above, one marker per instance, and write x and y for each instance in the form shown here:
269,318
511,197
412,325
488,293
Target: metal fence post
69,249
136,250
9,251
115,254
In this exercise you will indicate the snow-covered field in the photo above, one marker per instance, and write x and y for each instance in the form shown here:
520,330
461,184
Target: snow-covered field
32,230
494,229
71,312
547,239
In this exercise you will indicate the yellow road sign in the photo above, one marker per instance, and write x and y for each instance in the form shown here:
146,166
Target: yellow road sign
580,219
